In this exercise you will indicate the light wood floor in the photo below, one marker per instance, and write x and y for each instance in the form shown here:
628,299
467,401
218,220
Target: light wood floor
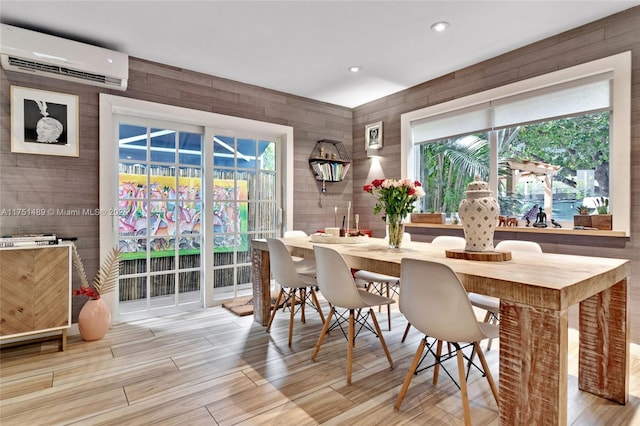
211,367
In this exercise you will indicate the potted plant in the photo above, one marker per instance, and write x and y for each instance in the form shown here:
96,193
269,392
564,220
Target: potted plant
602,219
95,317
583,218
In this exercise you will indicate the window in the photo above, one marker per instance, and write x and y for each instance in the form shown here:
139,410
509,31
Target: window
554,164
549,139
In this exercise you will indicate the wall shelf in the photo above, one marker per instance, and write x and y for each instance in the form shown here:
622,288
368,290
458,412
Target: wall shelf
329,161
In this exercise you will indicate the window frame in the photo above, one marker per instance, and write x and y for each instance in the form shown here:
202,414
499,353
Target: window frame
618,65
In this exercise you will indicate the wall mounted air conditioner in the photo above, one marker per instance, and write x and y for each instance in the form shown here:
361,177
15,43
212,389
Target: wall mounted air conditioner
32,52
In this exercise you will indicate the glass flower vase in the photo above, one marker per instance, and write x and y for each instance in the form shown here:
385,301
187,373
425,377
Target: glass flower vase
395,230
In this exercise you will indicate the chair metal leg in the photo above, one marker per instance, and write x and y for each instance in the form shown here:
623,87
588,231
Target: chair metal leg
382,342
463,386
317,303
275,309
323,333
350,340
380,290
471,358
410,373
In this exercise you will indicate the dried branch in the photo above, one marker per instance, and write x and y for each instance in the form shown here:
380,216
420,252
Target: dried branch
77,262
107,276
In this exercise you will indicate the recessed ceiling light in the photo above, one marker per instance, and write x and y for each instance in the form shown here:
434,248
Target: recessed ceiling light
354,68
440,26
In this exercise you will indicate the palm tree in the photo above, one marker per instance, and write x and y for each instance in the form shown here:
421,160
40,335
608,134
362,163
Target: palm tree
450,165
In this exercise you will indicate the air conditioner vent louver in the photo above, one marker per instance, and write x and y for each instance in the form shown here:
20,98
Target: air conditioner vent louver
36,66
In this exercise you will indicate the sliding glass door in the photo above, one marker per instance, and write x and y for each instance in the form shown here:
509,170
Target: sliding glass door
159,216
166,192
244,207
189,198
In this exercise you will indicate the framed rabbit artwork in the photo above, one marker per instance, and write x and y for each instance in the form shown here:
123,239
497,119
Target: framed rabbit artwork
44,122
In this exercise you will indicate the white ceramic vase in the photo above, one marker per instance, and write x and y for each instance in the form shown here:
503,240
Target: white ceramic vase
479,216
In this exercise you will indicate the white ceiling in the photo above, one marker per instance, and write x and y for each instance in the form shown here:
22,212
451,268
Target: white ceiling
305,47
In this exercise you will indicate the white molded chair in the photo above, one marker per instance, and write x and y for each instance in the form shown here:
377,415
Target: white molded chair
492,304
295,233
303,266
449,242
439,308
291,281
446,242
519,245
380,283
340,290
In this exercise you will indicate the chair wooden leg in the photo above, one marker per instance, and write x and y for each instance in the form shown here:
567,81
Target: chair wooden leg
275,309
292,300
322,334
358,312
388,309
436,368
350,339
487,372
315,300
406,331
303,300
487,319
410,373
382,342
463,387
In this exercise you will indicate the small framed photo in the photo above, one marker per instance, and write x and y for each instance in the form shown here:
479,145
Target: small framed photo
373,136
44,122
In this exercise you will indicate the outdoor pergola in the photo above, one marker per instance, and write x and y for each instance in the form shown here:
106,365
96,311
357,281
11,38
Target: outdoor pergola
526,169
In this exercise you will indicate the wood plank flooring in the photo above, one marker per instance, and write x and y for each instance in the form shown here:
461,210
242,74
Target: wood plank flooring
210,367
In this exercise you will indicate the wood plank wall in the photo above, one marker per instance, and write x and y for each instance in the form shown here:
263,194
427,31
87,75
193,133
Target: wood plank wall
49,182
33,181
608,36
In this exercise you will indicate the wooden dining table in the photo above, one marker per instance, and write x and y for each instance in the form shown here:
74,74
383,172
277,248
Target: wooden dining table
535,291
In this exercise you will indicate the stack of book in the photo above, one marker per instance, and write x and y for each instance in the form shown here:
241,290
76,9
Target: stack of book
28,240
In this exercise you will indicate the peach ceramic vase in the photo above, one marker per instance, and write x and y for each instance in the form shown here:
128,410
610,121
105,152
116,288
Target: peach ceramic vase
94,319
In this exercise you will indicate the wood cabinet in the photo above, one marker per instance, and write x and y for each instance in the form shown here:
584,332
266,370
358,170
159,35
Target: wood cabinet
35,292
